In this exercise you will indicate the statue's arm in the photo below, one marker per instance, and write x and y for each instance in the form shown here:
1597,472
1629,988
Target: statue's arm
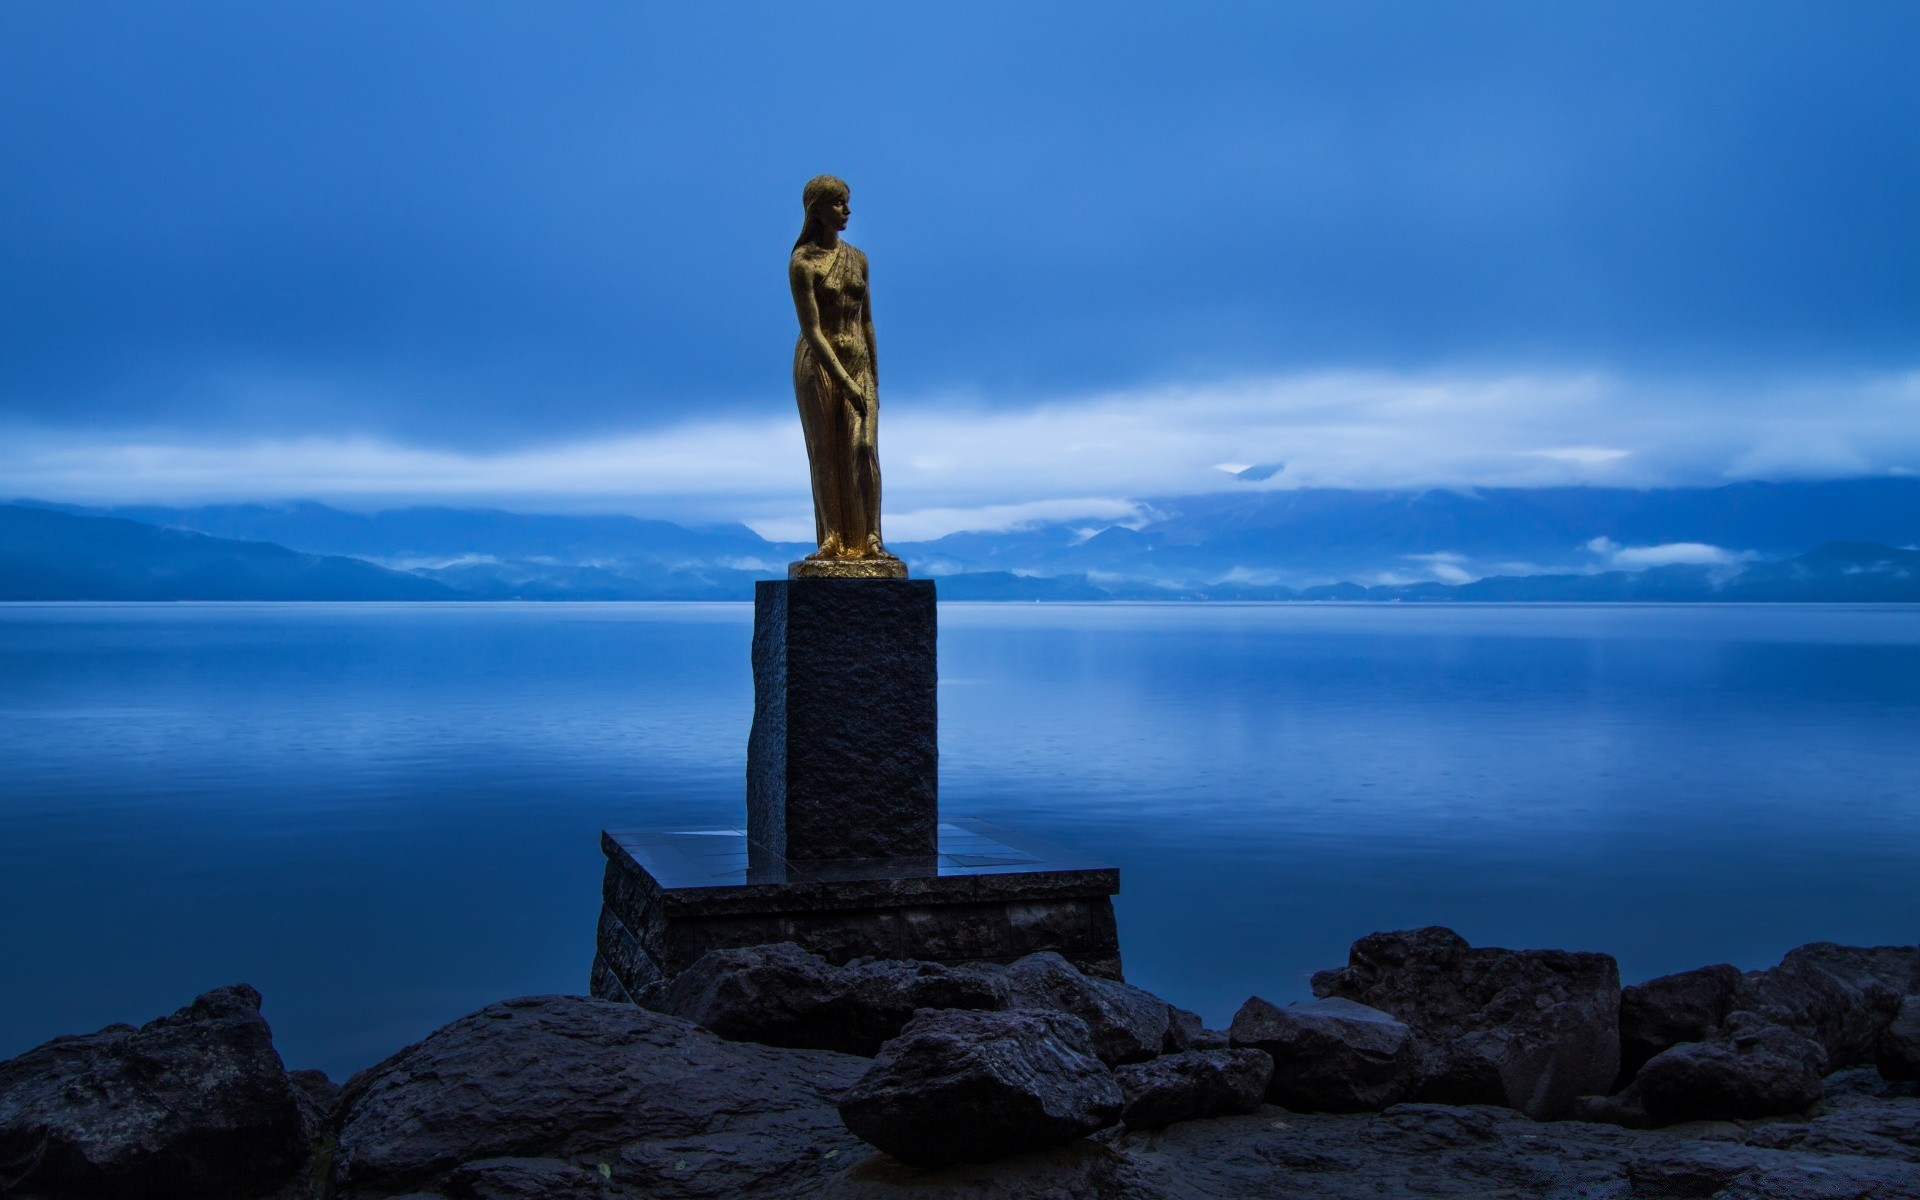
808,311
866,327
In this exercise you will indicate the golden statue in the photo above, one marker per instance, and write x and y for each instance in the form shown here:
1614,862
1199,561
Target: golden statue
836,381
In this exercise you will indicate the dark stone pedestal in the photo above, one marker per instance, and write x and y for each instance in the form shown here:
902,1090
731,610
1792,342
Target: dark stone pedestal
844,758
987,895
844,852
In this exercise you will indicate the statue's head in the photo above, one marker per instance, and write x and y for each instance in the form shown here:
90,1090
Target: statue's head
826,198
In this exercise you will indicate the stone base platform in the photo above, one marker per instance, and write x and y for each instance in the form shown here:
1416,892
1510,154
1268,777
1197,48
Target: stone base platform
987,895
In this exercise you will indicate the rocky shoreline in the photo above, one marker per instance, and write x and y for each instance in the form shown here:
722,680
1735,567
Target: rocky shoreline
1425,1067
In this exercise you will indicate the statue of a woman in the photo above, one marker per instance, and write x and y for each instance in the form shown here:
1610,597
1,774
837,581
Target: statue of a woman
835,379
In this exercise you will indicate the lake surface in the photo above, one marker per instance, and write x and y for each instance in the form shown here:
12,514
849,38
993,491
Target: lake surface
385,816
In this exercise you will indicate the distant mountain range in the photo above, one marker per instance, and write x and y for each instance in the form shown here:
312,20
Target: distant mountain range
1743,541
46,555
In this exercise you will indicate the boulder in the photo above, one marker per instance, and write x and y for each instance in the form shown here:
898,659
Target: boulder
196,1104
1126,1024
1751,1070
1529,1029
1897,1051
1330,1055
781,995
1192,1084
1839,996
961,1086
563,1077
1657,1015
524,1179
1186,1031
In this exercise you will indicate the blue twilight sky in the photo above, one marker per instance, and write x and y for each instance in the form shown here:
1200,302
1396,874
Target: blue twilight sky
533,253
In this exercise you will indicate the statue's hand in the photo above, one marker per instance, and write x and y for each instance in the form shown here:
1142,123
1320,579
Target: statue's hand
856,395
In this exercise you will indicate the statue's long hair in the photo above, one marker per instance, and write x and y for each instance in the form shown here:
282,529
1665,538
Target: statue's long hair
818,189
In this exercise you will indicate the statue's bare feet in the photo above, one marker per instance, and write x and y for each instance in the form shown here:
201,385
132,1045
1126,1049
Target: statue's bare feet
876,550
829,549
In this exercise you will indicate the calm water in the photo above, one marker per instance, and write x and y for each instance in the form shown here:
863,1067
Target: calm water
385,816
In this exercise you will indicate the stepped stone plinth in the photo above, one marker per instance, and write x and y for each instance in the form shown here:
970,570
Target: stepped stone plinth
843,851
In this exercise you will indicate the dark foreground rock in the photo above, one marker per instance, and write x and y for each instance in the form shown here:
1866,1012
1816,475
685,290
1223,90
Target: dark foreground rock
1186,1031
781,995
1330,1055
1897,1052
1753,1069
195,1105
1530,1029
596,1084
1125,1023
1662,1013
562,1098
1840,996
976,1086
1719,1044
1193,1084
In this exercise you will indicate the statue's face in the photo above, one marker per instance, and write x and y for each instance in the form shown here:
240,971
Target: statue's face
834,210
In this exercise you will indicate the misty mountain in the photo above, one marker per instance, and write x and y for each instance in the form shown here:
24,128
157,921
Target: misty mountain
406,535
1307,536
48,555
1258,540
1543,543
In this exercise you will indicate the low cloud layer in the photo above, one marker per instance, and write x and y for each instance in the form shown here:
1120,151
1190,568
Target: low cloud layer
954,464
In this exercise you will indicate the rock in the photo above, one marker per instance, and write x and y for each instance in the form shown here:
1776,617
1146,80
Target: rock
525,1179
315,1088
1897,1050
1186,1031
1192,1084
975,1086
1657,1015
1077,1170
781,995
1864,1115
1840,996
1330,1055
196,1104
1751,1070
1126,1024
562,1077
1529,1029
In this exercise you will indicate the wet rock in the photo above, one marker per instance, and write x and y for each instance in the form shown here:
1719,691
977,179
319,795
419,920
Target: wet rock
1862,1115
1529,1029
1126,1023
975,1086
563,1077
1657,1015
1330,1055
1077,1170
1896,1052
1751,1070
1186,1031
1192,1084
196,1104
781,995
1839,996
526,1179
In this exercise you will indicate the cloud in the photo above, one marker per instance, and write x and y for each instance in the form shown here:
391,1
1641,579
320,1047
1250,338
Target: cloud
1591,456
1639,558
1445,566
952,463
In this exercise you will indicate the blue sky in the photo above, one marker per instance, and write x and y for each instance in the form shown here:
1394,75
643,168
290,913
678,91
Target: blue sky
533,253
